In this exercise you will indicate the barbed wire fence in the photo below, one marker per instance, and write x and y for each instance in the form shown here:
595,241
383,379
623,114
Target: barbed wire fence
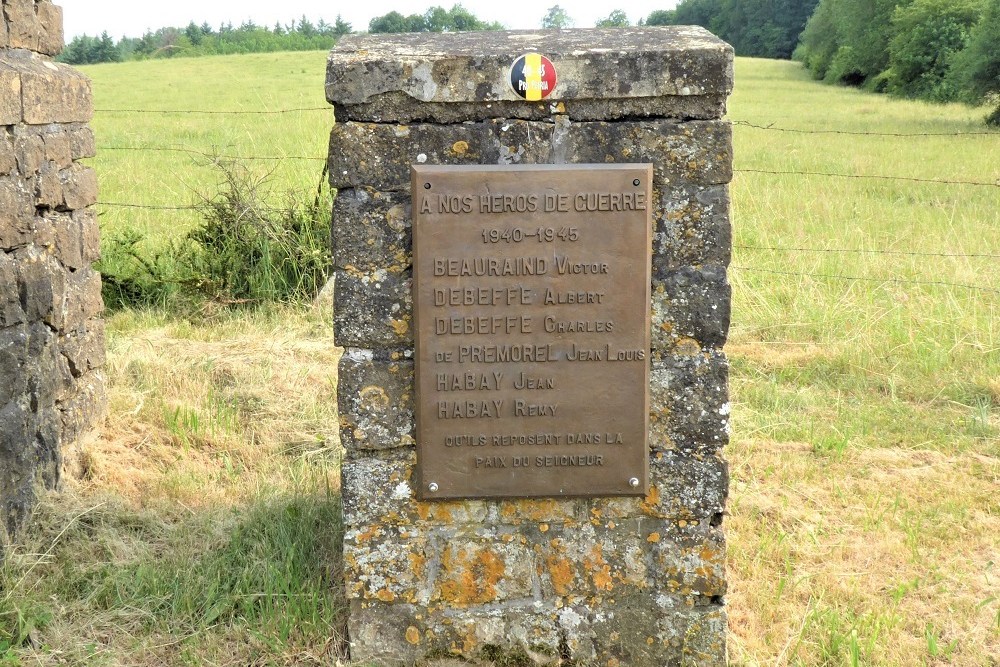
736,246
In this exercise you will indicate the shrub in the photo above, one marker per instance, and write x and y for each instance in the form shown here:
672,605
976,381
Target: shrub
244,252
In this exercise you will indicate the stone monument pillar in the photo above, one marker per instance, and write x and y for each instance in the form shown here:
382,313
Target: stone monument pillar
51,334
533,397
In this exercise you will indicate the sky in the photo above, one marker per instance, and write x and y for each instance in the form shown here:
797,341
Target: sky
131,18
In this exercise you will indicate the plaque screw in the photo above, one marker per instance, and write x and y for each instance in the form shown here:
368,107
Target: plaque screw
636,182
634,482
433,487
427,186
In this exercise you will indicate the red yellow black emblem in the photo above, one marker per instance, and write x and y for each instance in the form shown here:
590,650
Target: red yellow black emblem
533,77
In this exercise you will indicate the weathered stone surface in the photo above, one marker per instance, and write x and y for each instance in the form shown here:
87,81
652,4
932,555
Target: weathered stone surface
84,349
16,211
690,303
399,108
375,399
372,228
689,401
57,148
83,299
51,342
372,231
404,77
79,186
10,95
53,92
90,239
29,147
8,162
373,309
50,28
682,636
10,299
682,487
617,581
22,24
379,156
692,227
82,143
84,410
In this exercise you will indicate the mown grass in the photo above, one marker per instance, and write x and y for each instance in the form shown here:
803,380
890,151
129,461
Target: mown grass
866,422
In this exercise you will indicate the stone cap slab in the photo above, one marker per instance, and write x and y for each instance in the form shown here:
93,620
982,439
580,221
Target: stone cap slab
672,71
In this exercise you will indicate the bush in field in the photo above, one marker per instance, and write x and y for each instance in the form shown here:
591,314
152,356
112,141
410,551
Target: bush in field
977,69
245,251
927,37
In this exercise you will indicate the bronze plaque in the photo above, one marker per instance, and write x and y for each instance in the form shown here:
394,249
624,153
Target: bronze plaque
531,307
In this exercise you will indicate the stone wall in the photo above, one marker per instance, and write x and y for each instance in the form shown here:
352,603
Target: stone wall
51,334
599,581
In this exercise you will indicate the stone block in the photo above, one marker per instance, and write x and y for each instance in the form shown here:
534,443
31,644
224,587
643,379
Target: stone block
54,93
58,148
81,412
372,230
29,147
379,155
692,303
404,634
375,399
48,187
66,239
49,377
678,72
79,186
17,209
682,487
4,33
691,227
377,488
692,564
90,236
83,299
14,361
681,636
82,143
50,28
10,296
373,309
689,402
84,349
10,95
42,284
22,24
8,161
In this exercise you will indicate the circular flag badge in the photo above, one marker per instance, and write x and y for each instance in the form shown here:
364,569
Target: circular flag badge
533,77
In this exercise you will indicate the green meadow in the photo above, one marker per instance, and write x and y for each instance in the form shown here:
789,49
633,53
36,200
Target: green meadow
865,349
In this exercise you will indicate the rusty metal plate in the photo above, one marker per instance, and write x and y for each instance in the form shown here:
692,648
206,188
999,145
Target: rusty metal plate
531,308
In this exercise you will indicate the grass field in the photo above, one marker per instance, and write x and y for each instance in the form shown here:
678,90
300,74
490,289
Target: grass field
864,511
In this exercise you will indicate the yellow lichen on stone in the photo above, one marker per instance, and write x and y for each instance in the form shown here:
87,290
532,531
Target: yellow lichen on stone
561,573
400,326
460,147
413,635
385,595
653,538
598,568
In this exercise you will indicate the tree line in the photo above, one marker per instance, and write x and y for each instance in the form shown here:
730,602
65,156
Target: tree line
938,50
203,40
